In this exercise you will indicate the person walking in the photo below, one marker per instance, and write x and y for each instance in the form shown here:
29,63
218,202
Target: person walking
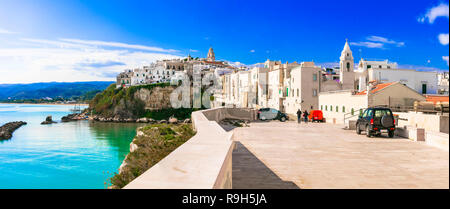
299,116
305,115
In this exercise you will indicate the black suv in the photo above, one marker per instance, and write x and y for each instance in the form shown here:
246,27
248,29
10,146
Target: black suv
374,120
271,114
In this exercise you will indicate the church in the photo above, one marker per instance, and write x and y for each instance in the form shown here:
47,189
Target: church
346,78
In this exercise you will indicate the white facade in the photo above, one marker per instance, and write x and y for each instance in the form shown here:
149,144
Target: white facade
274,90
346,65
244,88
258,87
336,105
361,73
421,82
384,72
303,89
443,83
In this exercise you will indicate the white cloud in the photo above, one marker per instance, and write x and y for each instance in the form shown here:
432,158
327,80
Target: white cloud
443,38
39,60
440,10
252,51
193,50
367,44
445,58
4,31
377,42
119,45
385,40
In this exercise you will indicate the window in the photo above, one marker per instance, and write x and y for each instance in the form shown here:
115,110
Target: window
364,114
343,109
314,92
331,108
298,93
424,88
381,113
353,111
337,108
348,66
369,66
314,77
326,107
321,107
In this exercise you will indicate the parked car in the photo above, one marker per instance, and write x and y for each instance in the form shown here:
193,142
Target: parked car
271,114
316,115
375,121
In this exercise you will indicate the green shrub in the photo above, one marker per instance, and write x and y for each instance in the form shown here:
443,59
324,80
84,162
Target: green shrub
158,141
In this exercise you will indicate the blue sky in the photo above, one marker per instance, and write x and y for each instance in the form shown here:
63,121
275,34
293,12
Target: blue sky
68,40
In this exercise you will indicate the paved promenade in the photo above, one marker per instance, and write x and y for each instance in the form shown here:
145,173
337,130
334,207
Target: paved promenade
288,155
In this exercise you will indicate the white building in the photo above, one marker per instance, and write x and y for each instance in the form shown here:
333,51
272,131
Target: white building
342,106
303,89
423,82
364,65
275,90
258,87
342,78
243,88
443,83
172,71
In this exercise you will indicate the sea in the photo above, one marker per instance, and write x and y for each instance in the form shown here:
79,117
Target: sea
71,155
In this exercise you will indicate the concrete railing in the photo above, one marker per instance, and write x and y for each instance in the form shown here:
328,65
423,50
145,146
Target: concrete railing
203,162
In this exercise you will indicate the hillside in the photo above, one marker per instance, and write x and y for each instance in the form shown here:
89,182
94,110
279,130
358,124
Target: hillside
74,90
150,101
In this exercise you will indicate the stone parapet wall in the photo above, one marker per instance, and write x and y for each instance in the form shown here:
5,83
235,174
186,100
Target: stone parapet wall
203,162
429,122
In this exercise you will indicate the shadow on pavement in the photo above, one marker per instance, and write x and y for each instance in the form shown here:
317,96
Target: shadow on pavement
250,173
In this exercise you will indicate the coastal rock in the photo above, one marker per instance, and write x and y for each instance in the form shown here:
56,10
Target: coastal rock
162,121
133,147
7,129
48,120
117,118
187,120
122,166
140,133
142,120
151,120
70,117
173,120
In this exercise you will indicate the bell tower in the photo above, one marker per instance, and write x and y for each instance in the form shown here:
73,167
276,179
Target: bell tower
346,65
211,56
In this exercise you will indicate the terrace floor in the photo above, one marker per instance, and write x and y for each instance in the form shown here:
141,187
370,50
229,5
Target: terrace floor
290,155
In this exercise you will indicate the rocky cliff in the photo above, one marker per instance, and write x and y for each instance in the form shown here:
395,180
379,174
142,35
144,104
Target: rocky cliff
133,102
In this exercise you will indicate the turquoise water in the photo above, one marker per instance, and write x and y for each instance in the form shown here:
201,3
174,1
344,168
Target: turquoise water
79,154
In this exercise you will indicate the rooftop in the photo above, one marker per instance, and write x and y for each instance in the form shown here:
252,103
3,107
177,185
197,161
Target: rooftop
437,98
376,88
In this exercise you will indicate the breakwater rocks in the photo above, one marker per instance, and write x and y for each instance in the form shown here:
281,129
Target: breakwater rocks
7,129
48,120
74,117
